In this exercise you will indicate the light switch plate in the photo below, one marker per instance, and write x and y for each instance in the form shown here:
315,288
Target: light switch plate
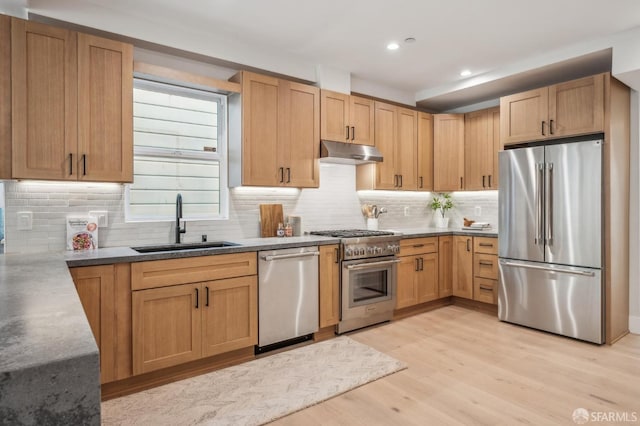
25,221
102,216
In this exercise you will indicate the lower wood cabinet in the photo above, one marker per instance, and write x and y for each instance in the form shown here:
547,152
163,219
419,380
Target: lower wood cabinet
485,269
329,276
105,295
445,266
417,272
182,323
463,266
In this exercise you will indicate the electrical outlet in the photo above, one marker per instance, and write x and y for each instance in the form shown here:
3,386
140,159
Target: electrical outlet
102,216
477,211
406,211
25,221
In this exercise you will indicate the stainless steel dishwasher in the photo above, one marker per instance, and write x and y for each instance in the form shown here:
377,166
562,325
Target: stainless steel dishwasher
287,296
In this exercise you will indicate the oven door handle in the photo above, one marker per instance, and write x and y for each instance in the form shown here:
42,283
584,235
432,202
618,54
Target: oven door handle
370,264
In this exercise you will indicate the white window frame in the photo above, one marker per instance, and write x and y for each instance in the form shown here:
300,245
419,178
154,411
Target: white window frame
220,155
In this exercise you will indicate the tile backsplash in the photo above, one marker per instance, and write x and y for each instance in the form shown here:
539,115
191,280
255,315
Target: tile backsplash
334,205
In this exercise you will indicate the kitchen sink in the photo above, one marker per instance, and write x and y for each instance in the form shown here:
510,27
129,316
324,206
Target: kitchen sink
183,246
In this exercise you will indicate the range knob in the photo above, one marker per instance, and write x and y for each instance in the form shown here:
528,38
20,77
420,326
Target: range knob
370,250
377,250
393,248
362,252
348,252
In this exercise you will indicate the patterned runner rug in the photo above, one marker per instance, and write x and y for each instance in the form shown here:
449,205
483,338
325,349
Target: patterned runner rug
258,391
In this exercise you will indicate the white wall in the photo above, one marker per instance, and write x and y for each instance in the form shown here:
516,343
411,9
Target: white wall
334,205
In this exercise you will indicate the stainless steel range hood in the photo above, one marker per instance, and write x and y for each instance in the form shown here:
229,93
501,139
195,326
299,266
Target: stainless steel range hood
348,153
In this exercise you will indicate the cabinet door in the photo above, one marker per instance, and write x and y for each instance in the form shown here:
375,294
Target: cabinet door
425,152
494,132
166,326
463,266
299,137
105,294
5,97
448,152
523,116
44,101
329,275
334,116
385,134
105,109
229,314
445,266
406,147
427,282
406,290
577,107
485,290
362,119
478,150
260,131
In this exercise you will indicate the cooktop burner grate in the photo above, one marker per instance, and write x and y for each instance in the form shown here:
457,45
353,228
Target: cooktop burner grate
351,233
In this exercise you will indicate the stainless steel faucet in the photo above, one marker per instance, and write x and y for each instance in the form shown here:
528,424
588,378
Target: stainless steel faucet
179,230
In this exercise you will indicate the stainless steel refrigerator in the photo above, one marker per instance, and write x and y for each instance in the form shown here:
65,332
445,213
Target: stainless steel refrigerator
550,238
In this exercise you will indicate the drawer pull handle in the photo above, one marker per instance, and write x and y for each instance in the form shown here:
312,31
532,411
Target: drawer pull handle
485,244
418,245
485,263
486,288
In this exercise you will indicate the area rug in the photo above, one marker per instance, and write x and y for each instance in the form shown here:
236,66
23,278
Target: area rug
258,391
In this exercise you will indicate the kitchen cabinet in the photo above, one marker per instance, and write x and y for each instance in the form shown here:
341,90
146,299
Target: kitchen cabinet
481,146
448,152
187,309
71,106
5,97
329,281
417,272
346,118
463,266
425,151
105,294
485,269
566,109
280,133
445,266
396,139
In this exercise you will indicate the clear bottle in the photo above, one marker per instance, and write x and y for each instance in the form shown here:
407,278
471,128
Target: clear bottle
280,231
288,230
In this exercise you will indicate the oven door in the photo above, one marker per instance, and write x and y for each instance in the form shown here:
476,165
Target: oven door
368,287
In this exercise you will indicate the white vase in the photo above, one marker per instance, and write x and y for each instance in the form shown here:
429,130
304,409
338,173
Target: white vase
372,224
441,222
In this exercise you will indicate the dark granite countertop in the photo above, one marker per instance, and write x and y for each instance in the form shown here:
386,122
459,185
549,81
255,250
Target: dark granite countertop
434,232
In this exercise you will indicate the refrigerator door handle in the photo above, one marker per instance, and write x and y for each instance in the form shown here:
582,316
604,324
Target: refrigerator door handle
539,189
549,204
544,268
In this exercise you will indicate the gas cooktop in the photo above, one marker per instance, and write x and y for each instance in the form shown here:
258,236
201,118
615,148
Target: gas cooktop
351,233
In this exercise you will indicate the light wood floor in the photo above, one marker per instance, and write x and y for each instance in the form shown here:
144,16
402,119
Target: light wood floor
467,367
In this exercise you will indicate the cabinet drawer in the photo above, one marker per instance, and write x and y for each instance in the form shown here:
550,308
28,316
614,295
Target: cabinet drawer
162,273
485,290
486,245
413,246
485,266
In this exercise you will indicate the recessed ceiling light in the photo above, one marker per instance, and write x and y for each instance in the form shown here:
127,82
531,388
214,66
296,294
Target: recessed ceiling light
393,46
465,73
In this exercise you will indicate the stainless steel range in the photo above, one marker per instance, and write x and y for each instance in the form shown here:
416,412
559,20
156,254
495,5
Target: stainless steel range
368,276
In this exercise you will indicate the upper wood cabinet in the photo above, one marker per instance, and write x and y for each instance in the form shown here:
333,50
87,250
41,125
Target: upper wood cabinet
71,105
396,134
566,109
448,152
5,97
280,132
329,279
425,152
480,149
346,118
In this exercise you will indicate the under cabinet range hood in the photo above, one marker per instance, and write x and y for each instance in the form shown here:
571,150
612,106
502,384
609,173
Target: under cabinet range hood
348,153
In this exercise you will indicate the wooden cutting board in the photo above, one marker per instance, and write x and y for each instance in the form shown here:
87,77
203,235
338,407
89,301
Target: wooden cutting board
270,216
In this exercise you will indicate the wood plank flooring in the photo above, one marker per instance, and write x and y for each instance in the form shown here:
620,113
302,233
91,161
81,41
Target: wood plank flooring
466,367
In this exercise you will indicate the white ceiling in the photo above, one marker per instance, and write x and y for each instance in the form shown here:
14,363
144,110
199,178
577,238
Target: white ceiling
351,35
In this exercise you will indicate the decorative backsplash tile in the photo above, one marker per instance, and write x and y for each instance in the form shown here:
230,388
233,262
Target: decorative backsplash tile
334,205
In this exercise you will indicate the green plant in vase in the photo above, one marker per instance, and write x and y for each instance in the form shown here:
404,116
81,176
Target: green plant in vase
441,203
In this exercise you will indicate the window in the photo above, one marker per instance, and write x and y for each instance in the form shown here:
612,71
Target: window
179,138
